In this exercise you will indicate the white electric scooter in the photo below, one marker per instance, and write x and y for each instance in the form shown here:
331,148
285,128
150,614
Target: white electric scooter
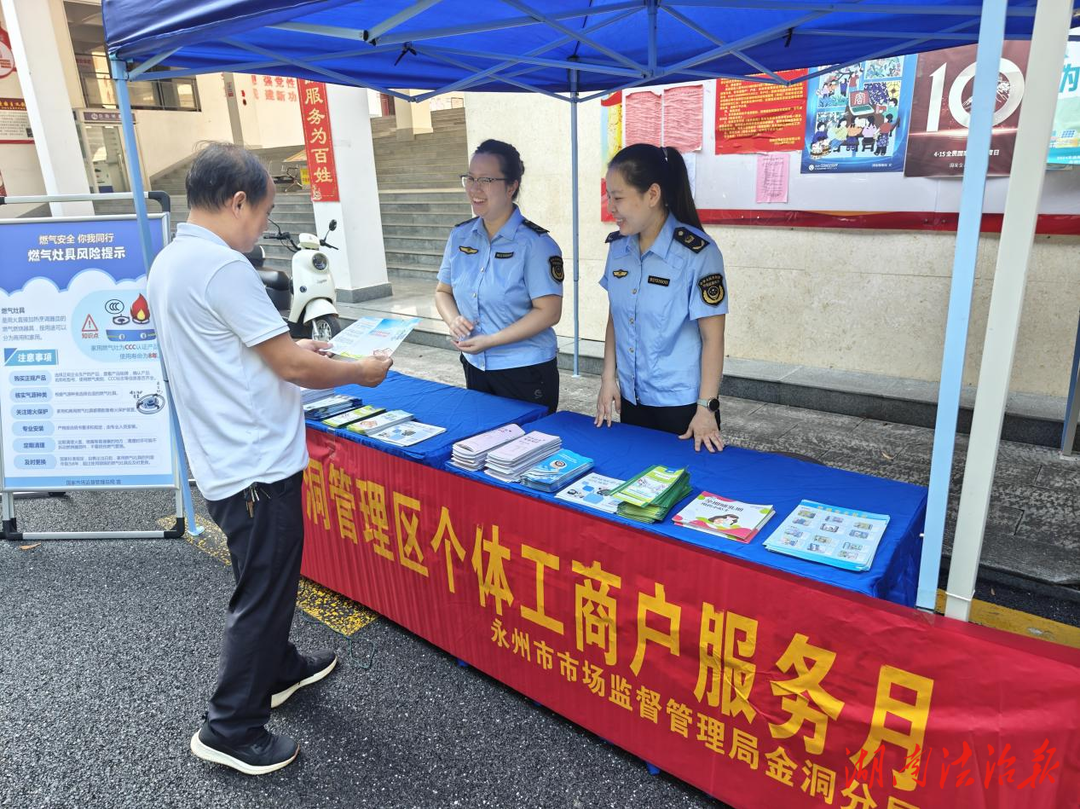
313,310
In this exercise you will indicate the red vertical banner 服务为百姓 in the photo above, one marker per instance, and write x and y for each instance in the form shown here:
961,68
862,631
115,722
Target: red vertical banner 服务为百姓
318,140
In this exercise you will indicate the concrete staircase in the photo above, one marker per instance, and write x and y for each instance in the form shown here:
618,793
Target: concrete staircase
420,195
292,211
420,192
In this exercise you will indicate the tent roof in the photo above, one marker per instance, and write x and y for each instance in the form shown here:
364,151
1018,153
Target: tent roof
514,45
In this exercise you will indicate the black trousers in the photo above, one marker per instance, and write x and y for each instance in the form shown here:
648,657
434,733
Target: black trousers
538,384
256,655
674,419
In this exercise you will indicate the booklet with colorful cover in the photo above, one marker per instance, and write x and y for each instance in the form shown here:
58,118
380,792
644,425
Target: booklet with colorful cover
554,471
367,335
331,406
593,491
714,514
379,422
842,537
349,416
650,495
407,434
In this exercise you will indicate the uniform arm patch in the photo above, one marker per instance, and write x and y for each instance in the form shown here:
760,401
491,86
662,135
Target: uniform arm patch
555,263
712,289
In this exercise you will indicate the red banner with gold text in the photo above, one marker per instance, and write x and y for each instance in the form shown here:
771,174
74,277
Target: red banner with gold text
762,689
319,141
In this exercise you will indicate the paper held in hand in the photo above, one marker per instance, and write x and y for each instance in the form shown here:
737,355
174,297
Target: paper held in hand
370,334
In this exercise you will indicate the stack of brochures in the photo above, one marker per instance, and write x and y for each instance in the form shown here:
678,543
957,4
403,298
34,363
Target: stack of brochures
311,395
407,433
713,514
593,491
472,452
650,495
379,421
552,473
508,462
330,405
349,416
841,537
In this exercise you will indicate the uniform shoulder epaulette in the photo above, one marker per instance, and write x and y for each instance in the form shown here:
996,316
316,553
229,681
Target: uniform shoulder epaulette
612,237
688,238
466,222
534,227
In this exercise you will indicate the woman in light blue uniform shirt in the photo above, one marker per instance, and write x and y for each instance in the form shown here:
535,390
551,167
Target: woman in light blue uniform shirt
667,295
500,286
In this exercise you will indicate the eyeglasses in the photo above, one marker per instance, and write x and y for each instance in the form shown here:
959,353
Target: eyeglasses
468,179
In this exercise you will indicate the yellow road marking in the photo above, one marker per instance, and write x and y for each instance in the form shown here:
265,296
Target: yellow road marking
1019,623
343,615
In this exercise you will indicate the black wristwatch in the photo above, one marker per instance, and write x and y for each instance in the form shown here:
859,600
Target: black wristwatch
714,407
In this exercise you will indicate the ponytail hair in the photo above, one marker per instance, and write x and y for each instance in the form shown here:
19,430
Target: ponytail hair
643,165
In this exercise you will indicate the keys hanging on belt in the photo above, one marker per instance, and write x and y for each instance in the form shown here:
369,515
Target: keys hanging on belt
251,495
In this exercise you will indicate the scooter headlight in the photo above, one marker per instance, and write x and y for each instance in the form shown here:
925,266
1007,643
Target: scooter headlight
320,262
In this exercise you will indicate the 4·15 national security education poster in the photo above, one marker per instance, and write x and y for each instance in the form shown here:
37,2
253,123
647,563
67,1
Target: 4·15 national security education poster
857,117
82,397
941,111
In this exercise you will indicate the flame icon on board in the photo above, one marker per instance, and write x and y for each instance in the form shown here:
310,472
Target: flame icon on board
140,310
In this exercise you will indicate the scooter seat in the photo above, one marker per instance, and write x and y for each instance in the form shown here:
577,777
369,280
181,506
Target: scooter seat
275,279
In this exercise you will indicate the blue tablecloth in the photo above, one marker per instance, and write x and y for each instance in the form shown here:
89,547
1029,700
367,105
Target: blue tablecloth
463,413
755,477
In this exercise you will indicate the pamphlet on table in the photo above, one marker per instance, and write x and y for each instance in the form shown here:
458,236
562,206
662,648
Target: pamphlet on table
471,453
370,334
508,462
554,472
407,434
333,405
841,537
593,491
309,396
349,416
651,494
720,516
379,422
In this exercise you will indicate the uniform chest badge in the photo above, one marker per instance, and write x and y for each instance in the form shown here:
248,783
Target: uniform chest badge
661,282
620,273
712,289
469,251
504,255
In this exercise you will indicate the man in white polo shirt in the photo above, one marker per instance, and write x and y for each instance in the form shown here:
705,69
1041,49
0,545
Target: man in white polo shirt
235,372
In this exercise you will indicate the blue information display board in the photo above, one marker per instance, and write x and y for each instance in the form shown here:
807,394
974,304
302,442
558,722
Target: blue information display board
82,399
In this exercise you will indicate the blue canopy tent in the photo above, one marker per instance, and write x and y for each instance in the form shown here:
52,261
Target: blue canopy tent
578,50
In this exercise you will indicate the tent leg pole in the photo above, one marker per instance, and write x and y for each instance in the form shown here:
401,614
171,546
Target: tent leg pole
1048,39
131,148
1072,403
575,215
991,36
